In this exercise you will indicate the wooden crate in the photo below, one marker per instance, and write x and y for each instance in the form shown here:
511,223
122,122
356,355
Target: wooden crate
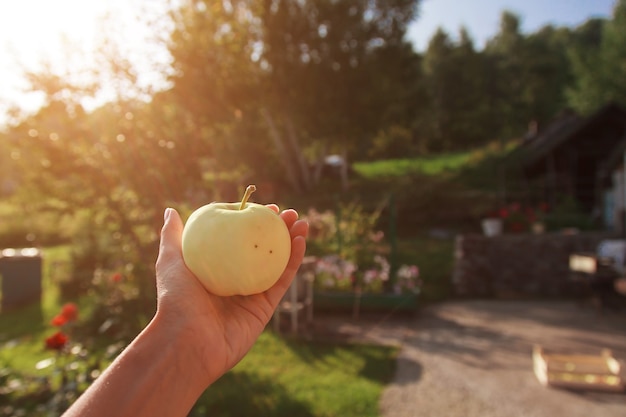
574,371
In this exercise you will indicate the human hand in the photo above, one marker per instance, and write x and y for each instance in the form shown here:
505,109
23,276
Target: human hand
222,328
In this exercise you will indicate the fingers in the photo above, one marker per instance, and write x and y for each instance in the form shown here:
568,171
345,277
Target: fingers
170,248
298,248
289,216
299,228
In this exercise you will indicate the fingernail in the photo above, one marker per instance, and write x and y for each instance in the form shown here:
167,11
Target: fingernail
166,214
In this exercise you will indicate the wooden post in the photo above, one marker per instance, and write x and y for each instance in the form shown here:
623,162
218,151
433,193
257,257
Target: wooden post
623,193
393,239
338,224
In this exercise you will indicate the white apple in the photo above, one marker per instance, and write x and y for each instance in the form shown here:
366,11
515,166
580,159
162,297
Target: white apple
236,248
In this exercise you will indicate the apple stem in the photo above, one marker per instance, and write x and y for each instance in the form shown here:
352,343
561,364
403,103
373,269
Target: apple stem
249,190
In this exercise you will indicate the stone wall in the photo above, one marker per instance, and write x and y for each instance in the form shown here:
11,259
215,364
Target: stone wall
518,265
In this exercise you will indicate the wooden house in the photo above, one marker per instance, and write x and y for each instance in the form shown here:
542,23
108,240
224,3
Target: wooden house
582,158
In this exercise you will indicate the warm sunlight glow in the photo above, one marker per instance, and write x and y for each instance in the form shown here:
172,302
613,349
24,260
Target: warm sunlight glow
59,34
33,28
35,31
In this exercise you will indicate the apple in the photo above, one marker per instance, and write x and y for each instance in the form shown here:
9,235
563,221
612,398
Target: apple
236,248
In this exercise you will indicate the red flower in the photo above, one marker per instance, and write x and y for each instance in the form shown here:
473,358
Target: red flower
117,277
70,311
503,213
57,341
58,320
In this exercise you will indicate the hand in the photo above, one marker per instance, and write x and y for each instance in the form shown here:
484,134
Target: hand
223,328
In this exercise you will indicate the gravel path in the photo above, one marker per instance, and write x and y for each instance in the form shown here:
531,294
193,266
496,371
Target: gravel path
473,359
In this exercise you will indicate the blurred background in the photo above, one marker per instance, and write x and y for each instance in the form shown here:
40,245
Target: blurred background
392,126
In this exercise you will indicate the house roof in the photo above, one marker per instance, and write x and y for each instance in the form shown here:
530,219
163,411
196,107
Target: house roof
566,127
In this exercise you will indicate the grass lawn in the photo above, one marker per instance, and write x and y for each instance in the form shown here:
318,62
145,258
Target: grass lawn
282,377
427,165
452,163
279,377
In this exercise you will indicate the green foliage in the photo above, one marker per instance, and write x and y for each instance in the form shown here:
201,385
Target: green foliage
457,115
353,253
567,214
348,243
614,54
598,60
394,142
349,231
44,381
446,188
22,225
430,165
435,257
271,375
252,96
548,73
59,381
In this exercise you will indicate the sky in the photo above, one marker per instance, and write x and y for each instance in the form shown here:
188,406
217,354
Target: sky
482,17
32,31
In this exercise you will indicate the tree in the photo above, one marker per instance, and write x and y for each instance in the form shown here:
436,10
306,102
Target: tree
598,62
440,72
471,117
402,93
547,73
505,60
614,54
455,83
290,72
585,59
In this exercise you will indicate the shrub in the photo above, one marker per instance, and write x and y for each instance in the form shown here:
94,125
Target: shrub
352,253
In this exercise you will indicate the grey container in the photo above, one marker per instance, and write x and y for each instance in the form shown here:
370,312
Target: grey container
21,271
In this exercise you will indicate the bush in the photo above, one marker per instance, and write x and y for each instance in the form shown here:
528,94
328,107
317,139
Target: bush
352,253
567,213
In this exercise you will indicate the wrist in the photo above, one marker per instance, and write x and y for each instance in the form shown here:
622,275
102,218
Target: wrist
188,344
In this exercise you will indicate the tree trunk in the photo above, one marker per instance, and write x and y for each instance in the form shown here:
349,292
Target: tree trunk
305,174
344,170
292,173
319,164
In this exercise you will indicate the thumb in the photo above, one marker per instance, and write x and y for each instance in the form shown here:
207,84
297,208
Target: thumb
170,248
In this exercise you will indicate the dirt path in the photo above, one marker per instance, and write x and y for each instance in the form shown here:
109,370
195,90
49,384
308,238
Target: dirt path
473,359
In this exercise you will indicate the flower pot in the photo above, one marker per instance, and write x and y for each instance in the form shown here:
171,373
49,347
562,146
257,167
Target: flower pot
492,226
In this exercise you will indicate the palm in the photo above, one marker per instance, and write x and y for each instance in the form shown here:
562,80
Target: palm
236,321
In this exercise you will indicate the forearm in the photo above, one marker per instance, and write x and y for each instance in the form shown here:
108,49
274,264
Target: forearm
158,374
